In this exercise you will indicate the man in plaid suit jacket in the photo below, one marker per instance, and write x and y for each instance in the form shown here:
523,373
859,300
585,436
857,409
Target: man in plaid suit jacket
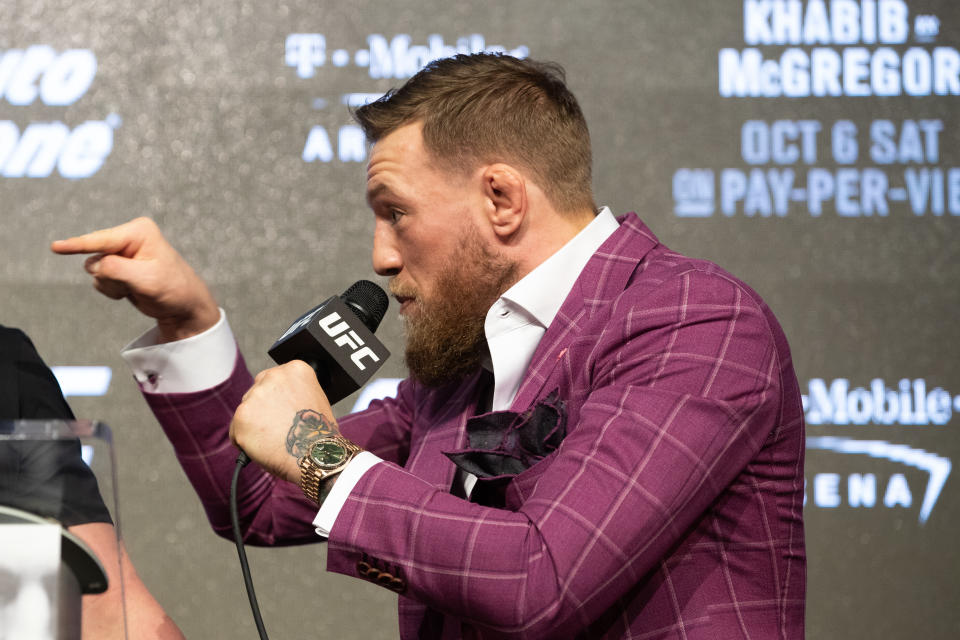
667,502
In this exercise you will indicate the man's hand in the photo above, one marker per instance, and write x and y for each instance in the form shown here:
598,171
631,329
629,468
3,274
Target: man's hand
134,261
283,413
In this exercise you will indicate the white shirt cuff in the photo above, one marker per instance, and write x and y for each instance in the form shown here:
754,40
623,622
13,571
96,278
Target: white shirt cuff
183,366
348,479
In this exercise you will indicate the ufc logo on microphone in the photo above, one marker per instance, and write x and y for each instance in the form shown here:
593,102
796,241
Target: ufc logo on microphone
343,336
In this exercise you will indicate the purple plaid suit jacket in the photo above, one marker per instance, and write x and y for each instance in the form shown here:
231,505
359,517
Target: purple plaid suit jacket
672,509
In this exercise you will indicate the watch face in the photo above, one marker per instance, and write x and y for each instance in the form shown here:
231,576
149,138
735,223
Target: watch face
328,454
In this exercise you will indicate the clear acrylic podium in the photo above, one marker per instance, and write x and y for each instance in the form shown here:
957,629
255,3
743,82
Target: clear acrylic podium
50,473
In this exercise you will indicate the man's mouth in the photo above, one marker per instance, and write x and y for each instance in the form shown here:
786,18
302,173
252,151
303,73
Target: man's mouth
404,295
404,303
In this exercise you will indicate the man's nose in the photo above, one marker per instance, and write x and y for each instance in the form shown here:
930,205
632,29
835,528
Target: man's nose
386,257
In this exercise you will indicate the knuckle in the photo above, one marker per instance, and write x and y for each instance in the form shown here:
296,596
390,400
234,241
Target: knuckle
238,416
144,222
108,264
299,367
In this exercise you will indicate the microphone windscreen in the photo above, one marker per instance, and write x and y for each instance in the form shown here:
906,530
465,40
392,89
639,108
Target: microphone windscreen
368,301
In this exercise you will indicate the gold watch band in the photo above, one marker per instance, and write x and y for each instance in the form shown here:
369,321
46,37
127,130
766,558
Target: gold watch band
313,476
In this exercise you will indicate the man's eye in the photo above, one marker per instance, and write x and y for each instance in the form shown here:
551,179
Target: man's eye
395,215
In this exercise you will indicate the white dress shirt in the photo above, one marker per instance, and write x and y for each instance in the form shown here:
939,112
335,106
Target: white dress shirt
514,327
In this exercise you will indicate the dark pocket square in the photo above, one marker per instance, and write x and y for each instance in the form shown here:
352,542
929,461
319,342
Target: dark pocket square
503,444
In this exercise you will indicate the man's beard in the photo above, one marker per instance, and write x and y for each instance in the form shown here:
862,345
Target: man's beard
445,338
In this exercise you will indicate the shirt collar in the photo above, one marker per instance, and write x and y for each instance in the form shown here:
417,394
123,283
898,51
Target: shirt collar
541,293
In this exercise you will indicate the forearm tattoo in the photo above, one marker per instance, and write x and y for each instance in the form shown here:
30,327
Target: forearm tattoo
308,427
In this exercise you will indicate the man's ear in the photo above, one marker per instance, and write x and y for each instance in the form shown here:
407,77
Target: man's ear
506,193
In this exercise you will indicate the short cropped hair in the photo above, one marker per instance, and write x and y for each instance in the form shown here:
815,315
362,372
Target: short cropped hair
483,108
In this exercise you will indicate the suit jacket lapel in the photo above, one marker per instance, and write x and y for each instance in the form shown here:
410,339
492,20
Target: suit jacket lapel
443,428
606,275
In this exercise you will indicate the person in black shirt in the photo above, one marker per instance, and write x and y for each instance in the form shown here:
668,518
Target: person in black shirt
46,478
50,479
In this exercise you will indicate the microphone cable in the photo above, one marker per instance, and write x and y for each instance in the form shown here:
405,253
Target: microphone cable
367,302
242,461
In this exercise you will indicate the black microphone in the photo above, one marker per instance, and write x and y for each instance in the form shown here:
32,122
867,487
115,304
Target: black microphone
336,339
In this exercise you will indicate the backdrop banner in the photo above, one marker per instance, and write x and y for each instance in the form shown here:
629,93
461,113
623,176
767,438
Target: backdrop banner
810,147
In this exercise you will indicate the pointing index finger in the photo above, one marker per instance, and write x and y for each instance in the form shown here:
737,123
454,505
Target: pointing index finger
115,240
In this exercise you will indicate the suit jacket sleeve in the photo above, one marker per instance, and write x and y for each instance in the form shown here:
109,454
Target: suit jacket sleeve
673,391
272,511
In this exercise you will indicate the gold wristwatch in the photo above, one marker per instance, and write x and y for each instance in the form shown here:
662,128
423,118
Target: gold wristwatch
327,457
